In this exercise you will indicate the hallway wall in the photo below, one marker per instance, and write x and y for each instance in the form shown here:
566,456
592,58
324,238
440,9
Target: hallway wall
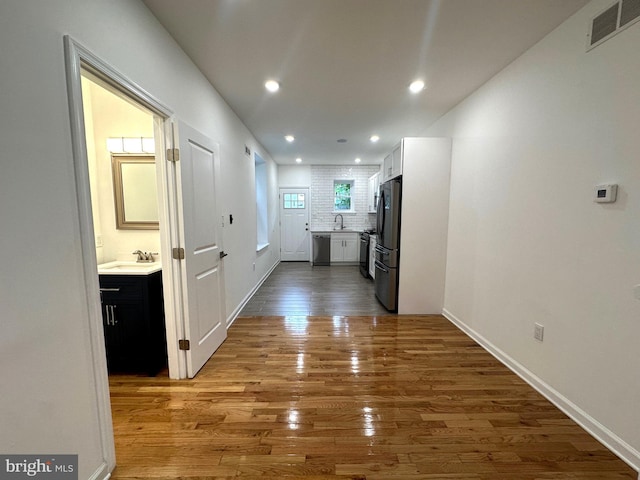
527,242
49,396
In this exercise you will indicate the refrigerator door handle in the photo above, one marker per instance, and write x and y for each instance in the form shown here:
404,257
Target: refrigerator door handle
380,217
381,267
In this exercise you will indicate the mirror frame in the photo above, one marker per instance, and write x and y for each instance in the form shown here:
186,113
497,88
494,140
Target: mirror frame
121,219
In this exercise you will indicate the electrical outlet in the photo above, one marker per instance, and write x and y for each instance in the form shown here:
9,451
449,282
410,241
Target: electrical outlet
538,332
254,266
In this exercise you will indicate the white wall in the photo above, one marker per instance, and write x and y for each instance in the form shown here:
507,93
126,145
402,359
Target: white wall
526,241
294,176
48,400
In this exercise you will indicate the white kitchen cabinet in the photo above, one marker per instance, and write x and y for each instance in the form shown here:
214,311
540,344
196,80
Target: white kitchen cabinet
372,256
374,187
387,167
392,164
344,248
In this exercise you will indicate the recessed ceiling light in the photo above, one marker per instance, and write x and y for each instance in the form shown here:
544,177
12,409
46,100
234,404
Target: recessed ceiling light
272,86
289,138
298,160
416,86
374,138
358,160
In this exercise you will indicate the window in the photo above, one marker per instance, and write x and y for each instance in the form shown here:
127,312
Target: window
293,200
261,203
343,190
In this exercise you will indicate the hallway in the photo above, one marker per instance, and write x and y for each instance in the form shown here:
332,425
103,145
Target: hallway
297,288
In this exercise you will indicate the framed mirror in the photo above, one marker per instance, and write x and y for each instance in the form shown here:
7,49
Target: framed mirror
135,191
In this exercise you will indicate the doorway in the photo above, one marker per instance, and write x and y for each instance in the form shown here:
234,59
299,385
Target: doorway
190,234
294,225
123,180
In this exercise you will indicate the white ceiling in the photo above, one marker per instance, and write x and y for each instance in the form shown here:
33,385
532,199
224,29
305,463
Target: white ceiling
345,65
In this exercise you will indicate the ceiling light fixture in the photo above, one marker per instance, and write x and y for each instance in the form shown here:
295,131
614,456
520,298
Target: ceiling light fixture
374,138
298,160
289,138
272,86
416,86
358,160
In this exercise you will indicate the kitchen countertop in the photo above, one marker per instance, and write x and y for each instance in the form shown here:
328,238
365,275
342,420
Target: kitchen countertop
346,230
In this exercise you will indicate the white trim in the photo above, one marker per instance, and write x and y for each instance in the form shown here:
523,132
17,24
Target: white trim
245,300
169,238
618,446
261,246
73,61
101,473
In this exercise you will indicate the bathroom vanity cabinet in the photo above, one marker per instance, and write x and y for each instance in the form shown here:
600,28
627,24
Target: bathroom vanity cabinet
133,320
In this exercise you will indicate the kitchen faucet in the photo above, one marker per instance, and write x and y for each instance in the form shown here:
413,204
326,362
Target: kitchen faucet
341,220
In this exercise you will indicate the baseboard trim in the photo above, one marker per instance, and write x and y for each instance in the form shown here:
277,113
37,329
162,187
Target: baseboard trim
101,473
245,300
622,449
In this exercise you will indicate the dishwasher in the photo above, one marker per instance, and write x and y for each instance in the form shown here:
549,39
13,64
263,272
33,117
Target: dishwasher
321,249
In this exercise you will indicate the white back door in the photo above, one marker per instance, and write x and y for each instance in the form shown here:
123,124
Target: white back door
294,225
201,270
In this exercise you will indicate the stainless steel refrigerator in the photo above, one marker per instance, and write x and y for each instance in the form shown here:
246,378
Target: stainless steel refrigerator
387,253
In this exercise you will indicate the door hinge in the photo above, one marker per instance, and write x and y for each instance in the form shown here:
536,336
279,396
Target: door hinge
184,344
173,154
178,253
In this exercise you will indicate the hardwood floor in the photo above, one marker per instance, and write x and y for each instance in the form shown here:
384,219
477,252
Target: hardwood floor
297,288
349,397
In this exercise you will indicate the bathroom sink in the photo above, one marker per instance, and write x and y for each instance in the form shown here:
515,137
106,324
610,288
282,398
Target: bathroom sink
129,268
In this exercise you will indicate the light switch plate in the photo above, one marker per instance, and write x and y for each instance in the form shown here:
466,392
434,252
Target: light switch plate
538,332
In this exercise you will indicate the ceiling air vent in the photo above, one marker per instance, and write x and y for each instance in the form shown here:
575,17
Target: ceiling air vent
612,21
629,12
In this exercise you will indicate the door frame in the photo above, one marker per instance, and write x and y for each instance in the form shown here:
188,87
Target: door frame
78,58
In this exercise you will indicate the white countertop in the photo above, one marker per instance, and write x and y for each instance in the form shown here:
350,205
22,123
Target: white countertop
129,268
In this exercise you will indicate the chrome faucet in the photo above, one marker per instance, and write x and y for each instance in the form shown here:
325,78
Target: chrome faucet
341,220
144,256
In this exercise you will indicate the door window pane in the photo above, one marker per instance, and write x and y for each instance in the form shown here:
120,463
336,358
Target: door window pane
293,200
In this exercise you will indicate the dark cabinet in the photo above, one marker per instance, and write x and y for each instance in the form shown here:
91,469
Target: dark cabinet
133,320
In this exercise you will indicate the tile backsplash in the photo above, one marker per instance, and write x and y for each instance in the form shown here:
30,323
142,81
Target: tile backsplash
322,213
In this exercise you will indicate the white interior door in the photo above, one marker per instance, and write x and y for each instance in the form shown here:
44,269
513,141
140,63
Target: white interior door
294,224
201,269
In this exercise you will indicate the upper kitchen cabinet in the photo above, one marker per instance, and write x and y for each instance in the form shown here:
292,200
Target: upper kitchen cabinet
392,164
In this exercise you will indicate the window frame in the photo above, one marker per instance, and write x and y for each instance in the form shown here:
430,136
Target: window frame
351,196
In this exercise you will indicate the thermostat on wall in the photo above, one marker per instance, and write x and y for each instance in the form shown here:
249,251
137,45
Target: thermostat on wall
606,193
